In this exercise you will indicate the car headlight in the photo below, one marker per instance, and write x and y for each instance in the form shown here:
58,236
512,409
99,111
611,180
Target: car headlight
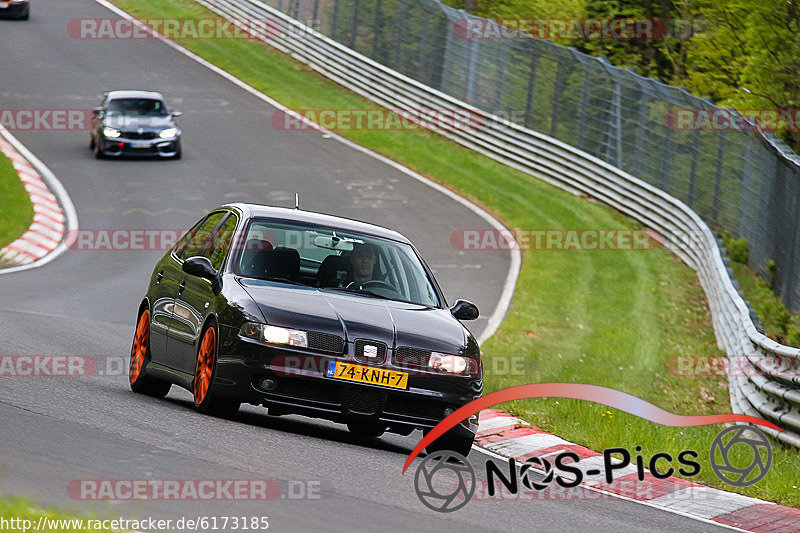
454,364
167,133
275,334
111,132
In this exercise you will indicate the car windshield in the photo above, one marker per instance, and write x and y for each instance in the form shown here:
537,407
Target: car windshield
334,260
136,106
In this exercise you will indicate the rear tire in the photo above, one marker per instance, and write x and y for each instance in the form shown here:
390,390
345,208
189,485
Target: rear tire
204,373
366,429
448,441
140,382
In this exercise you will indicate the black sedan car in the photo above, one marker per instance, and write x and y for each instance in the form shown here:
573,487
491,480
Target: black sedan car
16,9
135,123
308,314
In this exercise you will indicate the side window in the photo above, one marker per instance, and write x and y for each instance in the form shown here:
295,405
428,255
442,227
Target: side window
221,243
198,239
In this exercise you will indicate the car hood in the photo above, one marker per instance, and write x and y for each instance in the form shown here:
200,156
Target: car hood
133,122
357,317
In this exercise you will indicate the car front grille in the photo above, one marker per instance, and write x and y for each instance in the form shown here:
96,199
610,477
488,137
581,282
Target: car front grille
325,342
145,135
363,401
414,407
407,357
308,390
379,347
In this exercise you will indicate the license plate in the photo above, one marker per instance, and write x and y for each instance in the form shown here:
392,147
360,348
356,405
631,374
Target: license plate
3,6
141,144
367,374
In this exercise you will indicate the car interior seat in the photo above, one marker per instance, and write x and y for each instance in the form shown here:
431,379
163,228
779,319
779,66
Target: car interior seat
333,271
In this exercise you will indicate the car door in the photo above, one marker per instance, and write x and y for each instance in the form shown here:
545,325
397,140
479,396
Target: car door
163,287
194,294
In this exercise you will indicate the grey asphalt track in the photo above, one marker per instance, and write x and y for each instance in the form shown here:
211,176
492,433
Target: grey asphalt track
56,430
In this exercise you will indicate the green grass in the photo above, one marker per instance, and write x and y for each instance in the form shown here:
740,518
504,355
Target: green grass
610,318
16,210
26,516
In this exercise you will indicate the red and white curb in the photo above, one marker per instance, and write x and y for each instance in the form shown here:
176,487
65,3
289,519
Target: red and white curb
53,212
508,436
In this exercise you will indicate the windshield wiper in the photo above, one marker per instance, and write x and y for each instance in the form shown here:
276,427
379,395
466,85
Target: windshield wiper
356,291
285,280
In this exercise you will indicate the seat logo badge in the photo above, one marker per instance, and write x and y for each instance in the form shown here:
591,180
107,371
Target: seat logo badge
370,351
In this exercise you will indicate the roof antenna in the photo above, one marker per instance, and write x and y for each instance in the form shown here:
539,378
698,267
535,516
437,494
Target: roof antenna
296,200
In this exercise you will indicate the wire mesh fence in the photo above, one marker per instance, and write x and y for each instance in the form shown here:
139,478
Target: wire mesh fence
743,180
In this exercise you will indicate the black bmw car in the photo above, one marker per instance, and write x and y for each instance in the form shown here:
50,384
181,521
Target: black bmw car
135,123
308,314
16,9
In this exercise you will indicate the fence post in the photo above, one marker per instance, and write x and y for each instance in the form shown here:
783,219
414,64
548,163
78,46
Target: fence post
354,32
554,105
423,49
745,222
501,77
582,113
641,131
472,71
666,160
614,130
531,85
693,167
398,44
718,176
378,30
334,18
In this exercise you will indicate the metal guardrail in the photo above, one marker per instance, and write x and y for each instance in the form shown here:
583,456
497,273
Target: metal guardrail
766,390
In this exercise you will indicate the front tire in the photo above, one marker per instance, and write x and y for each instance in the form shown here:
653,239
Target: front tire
204,373
98,152
140,355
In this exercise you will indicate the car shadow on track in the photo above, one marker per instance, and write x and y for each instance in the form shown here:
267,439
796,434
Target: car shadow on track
304,426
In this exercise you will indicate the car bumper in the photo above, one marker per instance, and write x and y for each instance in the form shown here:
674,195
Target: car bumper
145,148
295,382
15,10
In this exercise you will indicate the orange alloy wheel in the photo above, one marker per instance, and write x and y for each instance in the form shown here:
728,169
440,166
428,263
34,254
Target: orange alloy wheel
140,342
205,365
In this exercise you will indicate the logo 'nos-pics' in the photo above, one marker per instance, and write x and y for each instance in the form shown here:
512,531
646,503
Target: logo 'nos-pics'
740,455
445,481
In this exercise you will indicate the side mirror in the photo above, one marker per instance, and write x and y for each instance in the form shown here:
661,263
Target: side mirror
177,114
201,267
97,111
464,310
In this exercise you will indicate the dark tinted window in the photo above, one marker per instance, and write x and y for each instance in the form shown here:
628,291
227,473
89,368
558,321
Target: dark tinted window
221,243
195,242
136,106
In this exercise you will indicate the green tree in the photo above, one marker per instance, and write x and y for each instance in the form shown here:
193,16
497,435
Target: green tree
749,56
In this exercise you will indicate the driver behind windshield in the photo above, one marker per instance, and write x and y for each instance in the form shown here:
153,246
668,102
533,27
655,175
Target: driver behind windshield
137,106
362,260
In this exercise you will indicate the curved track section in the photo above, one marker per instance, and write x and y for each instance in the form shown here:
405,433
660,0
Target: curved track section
58,430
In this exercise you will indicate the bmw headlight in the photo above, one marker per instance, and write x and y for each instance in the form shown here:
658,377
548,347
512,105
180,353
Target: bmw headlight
453,364
167,133
111,133
275,334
